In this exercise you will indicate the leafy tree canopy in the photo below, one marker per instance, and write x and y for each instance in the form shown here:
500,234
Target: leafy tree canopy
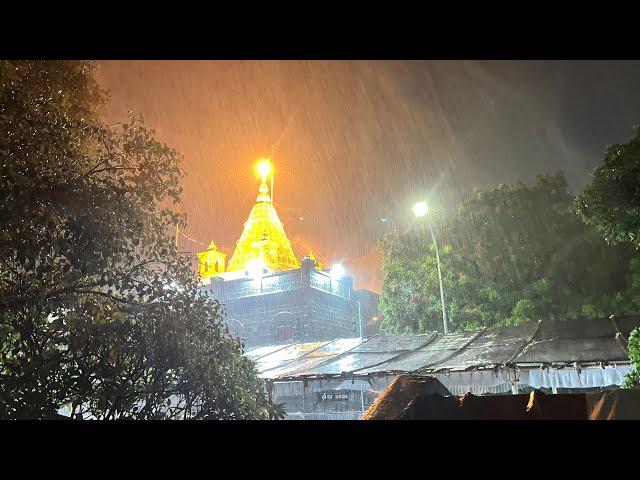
509,255
611,202
632,380
98,310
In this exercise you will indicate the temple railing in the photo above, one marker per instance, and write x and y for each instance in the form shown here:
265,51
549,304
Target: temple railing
280,282
248,287
323,281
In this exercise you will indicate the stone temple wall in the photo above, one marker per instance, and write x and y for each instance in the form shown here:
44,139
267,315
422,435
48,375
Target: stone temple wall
299,305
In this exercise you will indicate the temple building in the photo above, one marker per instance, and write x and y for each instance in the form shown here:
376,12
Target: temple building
270,296
315,342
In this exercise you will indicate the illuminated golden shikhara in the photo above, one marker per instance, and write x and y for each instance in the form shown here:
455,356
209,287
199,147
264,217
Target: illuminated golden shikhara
318,263
211,261
263,242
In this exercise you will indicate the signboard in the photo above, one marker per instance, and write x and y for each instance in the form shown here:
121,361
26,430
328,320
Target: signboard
333,395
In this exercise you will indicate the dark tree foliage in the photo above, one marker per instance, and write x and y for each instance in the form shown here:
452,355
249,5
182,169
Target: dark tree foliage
98,311
611,202
632,380
509,256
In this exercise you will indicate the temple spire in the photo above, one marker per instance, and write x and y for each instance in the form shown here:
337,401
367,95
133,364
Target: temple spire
264,169
263,240
263,193
319,264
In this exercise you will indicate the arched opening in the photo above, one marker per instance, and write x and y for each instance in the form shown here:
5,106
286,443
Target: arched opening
284,333
284,327
236,328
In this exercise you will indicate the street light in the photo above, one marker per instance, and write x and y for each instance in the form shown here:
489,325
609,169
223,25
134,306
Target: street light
420,209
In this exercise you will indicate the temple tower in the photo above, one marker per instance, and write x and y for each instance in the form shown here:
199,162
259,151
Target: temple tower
263,243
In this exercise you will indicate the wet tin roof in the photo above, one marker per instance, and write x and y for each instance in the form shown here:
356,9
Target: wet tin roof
546,342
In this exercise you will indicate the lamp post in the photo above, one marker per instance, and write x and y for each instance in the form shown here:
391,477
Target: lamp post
420,209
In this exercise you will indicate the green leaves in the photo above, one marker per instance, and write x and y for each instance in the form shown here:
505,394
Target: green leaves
611,202
632,380
509,255
87,238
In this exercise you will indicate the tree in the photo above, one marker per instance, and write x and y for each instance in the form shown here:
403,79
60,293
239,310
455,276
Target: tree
410,297
632,380
611,202
402,301
512,255
98,310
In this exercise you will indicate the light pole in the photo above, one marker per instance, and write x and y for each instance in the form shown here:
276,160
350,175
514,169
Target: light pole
420,209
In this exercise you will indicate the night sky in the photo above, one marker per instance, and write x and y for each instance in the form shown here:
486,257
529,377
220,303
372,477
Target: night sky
356,141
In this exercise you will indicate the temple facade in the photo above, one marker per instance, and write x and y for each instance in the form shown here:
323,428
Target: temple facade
270,296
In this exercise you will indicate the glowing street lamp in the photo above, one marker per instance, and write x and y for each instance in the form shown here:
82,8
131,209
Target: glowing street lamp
420,209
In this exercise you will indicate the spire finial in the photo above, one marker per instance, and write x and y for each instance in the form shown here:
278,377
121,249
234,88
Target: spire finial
264,169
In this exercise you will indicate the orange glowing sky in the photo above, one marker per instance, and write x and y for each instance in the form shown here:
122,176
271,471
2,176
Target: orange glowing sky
207,112
356,141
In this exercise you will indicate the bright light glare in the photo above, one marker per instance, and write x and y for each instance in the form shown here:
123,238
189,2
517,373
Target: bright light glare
172,286
264,167
420,209
337,271
255,267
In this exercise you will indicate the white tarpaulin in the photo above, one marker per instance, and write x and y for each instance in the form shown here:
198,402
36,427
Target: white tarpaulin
571,378
477,382
482,382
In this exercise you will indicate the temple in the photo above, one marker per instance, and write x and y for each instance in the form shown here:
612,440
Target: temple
272,297
306,329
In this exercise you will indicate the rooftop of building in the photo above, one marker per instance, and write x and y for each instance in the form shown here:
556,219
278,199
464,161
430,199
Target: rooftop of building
533,345
243,284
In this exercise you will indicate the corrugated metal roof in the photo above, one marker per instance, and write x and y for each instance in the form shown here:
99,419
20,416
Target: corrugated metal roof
431,353
286,355
313,358
582,341
258,352
570,350
393,343
496,346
